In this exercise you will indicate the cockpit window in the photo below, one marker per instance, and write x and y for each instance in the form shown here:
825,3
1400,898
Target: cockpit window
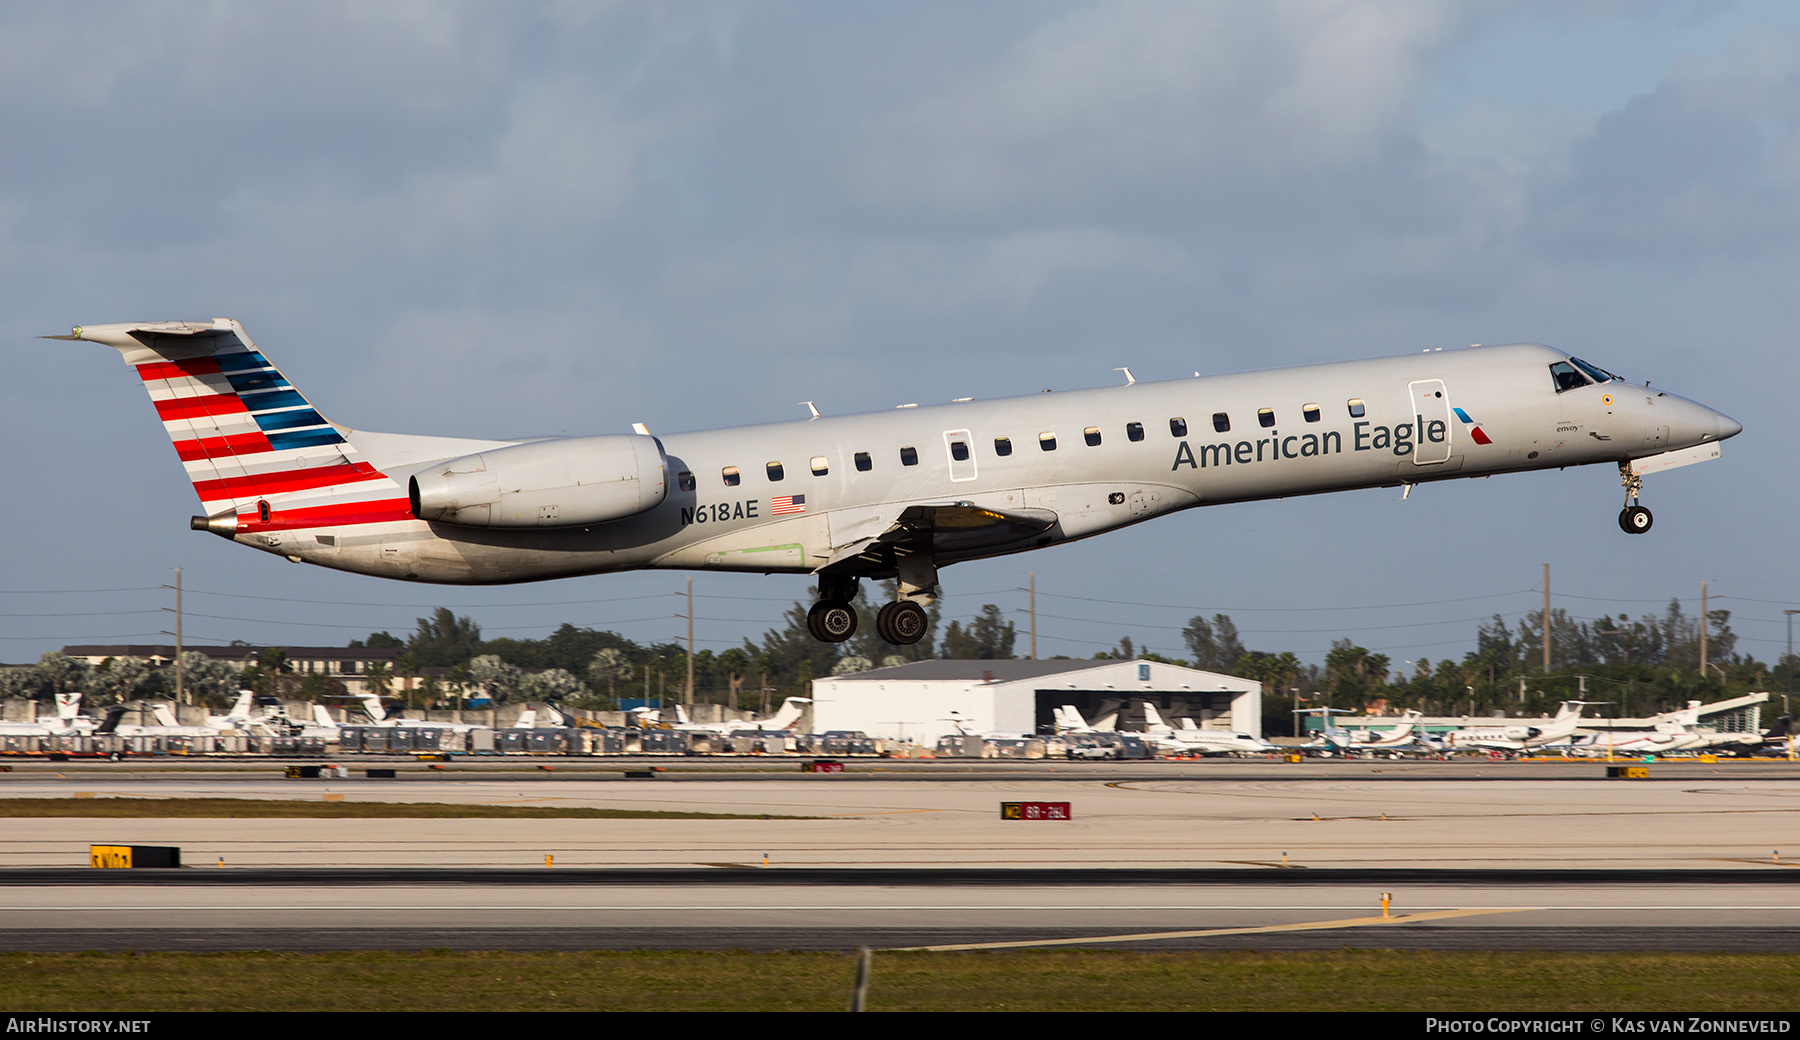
1598,375
1565,377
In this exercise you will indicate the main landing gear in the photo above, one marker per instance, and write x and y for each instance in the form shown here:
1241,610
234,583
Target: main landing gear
901,623
1633,519
831,622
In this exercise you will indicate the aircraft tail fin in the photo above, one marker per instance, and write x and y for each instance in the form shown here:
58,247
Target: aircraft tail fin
527,719
322,716
260,456
164,717
68,706
1153,720
371,704
1107,724
113,715
241,710
789,715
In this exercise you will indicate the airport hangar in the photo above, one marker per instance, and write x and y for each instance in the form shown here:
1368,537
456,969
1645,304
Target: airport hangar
915,701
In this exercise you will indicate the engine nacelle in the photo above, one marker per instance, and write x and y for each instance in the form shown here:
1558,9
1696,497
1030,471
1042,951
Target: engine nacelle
560,483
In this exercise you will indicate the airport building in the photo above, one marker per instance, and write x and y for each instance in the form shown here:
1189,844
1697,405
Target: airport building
346,664
927,699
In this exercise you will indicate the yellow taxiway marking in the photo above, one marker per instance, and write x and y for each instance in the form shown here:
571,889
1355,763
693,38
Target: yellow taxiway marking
1304,926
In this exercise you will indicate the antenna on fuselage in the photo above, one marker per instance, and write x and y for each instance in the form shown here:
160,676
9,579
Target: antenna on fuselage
810,408
1129,378
640,429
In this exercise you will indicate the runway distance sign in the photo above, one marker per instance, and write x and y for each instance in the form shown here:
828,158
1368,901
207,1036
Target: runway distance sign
1035,811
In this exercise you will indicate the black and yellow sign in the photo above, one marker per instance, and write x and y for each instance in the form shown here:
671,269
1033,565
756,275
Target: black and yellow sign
134,856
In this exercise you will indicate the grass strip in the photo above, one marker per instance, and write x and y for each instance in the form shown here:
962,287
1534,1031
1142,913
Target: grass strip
258,808
1029,980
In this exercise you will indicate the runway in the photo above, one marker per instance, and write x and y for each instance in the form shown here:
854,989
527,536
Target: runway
1247,856
1736,910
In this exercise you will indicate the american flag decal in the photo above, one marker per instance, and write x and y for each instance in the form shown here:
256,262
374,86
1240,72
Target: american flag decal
784,505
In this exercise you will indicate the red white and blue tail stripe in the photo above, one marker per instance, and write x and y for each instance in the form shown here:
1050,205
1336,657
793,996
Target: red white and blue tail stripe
254,447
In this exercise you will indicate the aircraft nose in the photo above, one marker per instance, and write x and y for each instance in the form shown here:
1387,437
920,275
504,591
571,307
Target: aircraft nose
1728,427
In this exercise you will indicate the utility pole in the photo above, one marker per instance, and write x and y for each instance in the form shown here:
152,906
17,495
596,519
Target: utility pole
1705,623
180,686
1789,661
180,683
1546,619
1034,656
690,621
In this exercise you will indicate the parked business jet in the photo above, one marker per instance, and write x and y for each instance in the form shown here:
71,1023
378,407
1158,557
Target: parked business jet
1190,739
1521,736
885,495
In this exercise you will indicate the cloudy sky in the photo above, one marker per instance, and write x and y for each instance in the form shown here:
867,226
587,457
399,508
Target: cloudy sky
509,219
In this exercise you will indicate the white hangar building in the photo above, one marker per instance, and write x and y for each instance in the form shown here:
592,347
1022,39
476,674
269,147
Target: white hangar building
914,701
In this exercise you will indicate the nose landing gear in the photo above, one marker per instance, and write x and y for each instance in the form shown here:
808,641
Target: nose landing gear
1633,519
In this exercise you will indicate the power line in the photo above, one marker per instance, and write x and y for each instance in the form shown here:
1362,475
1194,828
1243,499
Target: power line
1247,610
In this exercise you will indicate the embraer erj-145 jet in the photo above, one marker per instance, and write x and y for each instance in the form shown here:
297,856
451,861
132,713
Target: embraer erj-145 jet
885,495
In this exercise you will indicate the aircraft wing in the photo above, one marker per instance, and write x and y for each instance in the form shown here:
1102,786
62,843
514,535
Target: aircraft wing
938,528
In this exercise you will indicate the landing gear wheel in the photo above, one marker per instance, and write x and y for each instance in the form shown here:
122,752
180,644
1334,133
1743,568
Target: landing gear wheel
902,623
1634,520
831,622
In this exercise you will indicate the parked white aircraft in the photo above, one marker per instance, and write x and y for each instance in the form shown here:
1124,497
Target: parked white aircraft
1669,731
1068,720
166,724
1520,736
886,495
1403,736
1193,740
378,716
67,720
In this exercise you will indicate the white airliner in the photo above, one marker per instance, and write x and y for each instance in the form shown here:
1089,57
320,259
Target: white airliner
884,495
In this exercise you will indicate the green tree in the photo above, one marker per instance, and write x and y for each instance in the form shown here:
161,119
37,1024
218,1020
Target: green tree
988,637
444,639
1215,644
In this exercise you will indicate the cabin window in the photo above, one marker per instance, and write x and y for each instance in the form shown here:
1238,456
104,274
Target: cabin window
1092,435
730,473
775,472
1178,427
1356,408
959,450
863,463
909,456
1003,445
820,467
1266,416
684,480
1047,441
1309,412
1134,431
1221,422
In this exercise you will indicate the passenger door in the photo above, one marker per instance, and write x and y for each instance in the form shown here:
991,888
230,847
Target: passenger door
1430,403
